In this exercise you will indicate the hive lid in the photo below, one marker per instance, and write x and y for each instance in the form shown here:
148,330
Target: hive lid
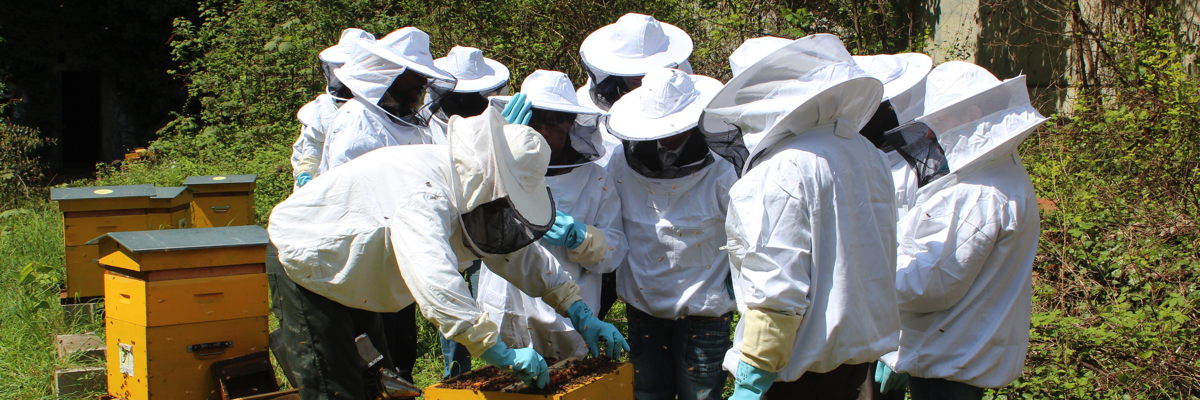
187,239
102,192
168,192
219,179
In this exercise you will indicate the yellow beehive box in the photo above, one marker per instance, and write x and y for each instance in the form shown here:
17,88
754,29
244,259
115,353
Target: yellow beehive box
173,361
181,296
221,200
178,300
169,208
615,385
184,248
93,211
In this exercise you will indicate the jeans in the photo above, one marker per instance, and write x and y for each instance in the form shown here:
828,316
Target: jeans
678,357
455,357
840,384
941,389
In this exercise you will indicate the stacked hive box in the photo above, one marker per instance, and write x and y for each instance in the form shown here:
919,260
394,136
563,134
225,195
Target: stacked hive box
169,208
92,211
178,300
221,200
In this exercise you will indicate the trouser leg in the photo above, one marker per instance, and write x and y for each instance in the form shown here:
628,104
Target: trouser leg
701,345
318,335
650,347
841,383
941,389
456,359
608,294
400,328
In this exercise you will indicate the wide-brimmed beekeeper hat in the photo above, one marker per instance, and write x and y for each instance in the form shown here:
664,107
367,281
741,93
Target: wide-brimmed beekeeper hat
668,103
374,66
903,77
473,72
635,44
339,53
810,82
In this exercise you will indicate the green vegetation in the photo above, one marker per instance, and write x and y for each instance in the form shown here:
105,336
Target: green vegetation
1116,281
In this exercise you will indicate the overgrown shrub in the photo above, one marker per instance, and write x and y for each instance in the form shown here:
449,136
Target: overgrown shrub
21,168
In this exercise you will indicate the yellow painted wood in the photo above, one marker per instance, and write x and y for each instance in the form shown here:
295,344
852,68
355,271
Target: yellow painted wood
617,385
85,277
181,301
79,230
160,215
222,187
162,367
217,211
116,256
104,204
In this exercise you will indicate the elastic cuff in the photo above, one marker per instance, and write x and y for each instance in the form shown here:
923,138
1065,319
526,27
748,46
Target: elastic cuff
480,337
768,339
305,164
593,249
562,297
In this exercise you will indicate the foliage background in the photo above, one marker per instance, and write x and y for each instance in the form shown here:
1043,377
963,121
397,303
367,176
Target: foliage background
1116,288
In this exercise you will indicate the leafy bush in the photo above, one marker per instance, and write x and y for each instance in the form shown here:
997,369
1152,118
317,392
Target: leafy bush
21,170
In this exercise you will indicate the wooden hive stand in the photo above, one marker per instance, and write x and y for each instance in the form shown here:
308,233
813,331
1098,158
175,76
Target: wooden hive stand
615,385
89,212
221,200
178,300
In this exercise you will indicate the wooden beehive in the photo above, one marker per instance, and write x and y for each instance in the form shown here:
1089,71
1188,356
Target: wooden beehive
221,200
169,208
615,385
89,212
178,300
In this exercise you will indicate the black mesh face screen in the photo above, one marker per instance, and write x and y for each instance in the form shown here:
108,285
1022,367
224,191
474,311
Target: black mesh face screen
917,143
496,227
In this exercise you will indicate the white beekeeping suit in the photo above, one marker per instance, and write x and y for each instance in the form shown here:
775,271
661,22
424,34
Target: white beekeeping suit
587,194
388,228
673,214
903,76
628,48
811,223
316,116
964,267
362,124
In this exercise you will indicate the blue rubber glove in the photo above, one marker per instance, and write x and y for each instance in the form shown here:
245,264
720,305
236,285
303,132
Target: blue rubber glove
303,179
594,330
889,380
565,231
751,383
526,364
518,110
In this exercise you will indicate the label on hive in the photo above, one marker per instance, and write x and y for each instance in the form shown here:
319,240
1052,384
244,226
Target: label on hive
126,358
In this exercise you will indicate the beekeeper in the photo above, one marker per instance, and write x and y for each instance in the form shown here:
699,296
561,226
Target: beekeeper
588,239
616,57
397,225
388,78
475,79
674,192
903,76
316,116
964,266
811,225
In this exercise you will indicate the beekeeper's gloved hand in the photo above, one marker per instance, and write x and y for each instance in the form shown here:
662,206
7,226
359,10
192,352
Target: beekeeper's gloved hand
526,364
565,231
889,380
303,179
594,330
750,383
518,110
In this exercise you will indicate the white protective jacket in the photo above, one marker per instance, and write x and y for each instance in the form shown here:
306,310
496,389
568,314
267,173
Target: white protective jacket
676,266
812,221
315,118
383,231
588,195
964,268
